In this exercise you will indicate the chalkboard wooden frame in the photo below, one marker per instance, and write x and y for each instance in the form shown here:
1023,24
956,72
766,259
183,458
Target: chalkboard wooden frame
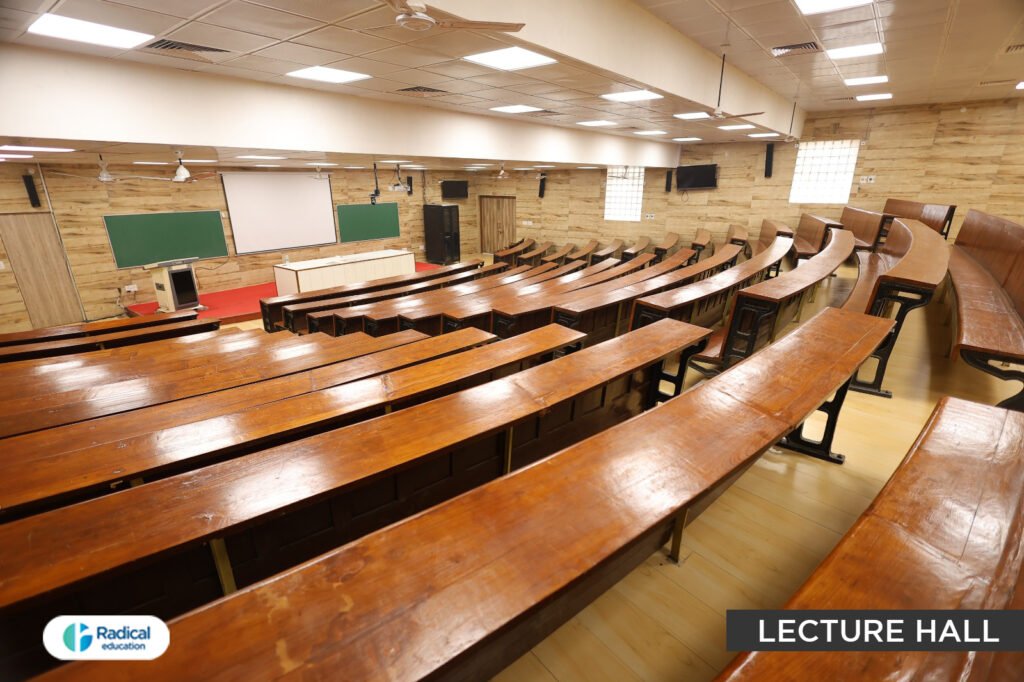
353,225
207,240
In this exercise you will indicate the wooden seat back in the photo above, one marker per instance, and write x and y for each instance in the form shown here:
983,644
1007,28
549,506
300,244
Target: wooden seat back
270,308
479,584
996,243
607,252
641,245
770,229
508,255
811,233
559,254
736,234
866,226
968,458
584,252
939,217
449,445
68,331
533,256
666,245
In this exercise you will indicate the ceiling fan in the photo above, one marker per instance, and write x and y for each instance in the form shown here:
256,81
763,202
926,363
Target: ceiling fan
412,15
181,174
502,173
718,114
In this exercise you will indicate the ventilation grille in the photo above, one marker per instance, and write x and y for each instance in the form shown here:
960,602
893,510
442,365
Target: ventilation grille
1014,49
165,44
796,48
1005,81
422,90
840,99
543,112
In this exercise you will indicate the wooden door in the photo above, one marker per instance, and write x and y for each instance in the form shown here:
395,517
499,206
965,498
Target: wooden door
37,259
497,223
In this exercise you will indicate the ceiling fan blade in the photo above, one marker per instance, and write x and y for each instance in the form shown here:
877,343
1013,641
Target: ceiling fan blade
753,113
505,27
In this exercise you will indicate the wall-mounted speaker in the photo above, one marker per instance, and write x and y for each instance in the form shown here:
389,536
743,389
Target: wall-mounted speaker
30,189
408,184
769,159
540,188
668,180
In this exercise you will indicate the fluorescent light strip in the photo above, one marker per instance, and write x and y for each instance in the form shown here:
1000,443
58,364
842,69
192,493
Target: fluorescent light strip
266,165
763,135
199,160
866,80
326,74
738,126
66,28
21,148
545,166
355,167
852,51
320,163
261,157
1020,86
588,167
595,124
510,59
151,163
686,139
515,109
821,6
650,132
631,96
873,98
15,156
395,161
693,116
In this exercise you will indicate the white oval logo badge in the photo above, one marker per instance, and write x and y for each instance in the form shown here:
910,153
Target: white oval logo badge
112,638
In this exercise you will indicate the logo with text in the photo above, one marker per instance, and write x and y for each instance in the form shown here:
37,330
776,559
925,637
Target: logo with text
125,638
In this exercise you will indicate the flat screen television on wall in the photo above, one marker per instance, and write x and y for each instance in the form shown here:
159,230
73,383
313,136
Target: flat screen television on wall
454,189
697,177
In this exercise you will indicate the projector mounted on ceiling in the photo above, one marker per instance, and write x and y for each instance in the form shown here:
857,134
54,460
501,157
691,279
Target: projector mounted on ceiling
413,15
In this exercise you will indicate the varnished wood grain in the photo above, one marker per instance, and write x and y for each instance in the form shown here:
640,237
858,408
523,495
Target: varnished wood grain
93,328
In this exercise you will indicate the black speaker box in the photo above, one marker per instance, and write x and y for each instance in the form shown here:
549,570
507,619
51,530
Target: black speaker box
668,180
769,159
540,188
408,184
30,188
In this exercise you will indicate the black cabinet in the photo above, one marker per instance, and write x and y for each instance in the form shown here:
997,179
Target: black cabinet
441,232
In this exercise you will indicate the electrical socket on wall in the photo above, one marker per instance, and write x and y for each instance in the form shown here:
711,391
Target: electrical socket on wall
648,216
867,179
131,288
527,222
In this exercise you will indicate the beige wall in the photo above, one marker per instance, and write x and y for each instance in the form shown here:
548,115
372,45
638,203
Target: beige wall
974,159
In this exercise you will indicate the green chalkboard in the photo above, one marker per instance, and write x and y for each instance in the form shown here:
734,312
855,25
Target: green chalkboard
145,238
360,222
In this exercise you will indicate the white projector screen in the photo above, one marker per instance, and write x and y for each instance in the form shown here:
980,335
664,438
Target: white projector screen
272,211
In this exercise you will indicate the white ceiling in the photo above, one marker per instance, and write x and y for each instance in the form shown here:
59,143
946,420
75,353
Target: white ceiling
935,50
265,39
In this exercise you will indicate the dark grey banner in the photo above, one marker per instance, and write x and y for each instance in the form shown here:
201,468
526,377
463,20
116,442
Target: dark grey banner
875,630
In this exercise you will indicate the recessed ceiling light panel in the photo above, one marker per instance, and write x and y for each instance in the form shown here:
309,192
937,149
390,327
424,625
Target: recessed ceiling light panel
326,74
595,124
510,59
150,163
260,157
22,148
515,109
865,50
873,98
631,96
763,135
650,132
66,28
686,139
15,156
738,126
866,80
693,115
822,6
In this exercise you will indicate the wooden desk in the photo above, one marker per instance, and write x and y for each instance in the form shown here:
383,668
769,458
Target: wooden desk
607,252
69,331
323,273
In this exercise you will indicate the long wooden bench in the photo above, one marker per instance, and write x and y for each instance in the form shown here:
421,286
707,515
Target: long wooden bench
533,307
702,241
294,315
986,267
903,274
36,482
770,229
665,246
761,311
641,245
559,255
464,589
115,339
939,217
533,256
585,252
944,533
866,227
69,331
508,255
609,251
811,234
64,440
66,407
270,308
604,313
378,322
325,320
269,507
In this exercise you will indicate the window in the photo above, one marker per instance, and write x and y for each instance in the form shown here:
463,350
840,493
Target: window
623,193
824,172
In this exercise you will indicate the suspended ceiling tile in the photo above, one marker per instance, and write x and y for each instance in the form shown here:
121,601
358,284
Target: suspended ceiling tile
250,74
853,14
418,77
178,8
262,64
460,99
323,10
121,16
534,88
208,35
458,43
500,79
242,16
397,34
343,40
381,84
380,17
363,65
458,69
460,87
66,46
301,54
15,20
160,60
409,56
